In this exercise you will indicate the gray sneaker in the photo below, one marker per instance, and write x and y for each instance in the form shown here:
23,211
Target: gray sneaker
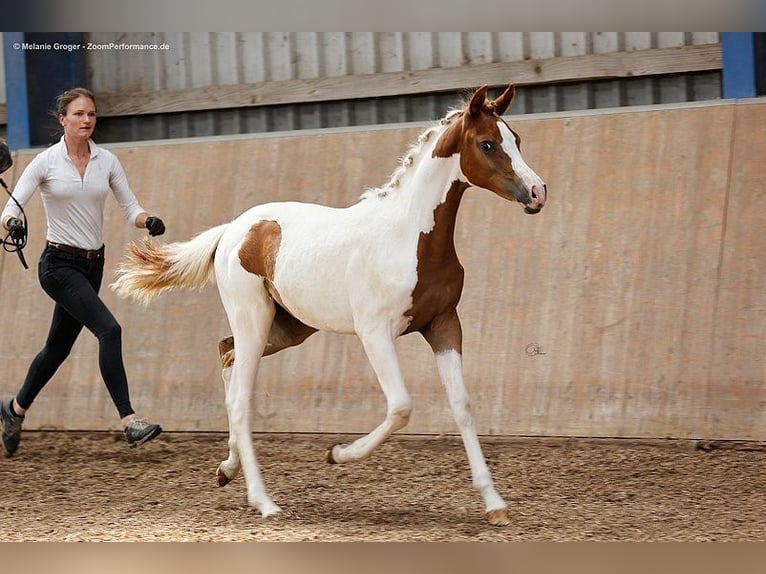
11,427
139,431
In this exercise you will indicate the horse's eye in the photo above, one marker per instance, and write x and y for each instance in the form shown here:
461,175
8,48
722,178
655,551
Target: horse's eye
486,146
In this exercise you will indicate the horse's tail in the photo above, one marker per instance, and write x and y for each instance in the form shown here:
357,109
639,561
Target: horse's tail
149,269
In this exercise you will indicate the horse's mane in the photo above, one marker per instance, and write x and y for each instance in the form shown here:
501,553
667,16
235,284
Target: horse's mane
409,158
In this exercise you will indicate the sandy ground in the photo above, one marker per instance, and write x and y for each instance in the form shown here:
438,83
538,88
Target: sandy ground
77,486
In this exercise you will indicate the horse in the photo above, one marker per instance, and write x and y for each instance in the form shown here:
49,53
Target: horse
380,268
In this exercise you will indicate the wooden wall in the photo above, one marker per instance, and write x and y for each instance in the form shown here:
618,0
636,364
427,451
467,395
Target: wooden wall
642,285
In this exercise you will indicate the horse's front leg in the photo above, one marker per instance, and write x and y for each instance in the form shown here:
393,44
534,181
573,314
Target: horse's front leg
381,351
444,334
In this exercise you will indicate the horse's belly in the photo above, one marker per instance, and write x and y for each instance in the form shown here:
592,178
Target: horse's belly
312,298
339,293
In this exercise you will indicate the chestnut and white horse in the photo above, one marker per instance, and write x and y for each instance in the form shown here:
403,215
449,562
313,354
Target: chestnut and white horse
381,268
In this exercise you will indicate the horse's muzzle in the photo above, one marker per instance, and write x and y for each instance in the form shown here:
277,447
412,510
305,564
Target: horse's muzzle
537,196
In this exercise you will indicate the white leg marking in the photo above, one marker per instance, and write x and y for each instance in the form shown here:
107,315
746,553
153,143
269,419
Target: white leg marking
231,466
250,327
450,367
381,352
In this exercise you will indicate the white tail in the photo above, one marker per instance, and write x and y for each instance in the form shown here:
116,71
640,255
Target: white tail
149,269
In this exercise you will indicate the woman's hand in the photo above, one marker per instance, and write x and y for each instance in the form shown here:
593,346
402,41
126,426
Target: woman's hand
154,225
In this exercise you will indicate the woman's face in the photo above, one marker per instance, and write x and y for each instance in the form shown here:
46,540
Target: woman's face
80,119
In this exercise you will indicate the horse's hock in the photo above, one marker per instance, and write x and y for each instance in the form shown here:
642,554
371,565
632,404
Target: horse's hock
632,306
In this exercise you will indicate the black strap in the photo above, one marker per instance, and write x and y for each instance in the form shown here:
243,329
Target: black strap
17,244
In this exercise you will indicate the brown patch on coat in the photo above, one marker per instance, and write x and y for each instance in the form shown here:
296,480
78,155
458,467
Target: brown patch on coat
258,253
440,278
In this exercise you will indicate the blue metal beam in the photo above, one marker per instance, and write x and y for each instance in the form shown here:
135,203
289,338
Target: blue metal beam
738,55
16,90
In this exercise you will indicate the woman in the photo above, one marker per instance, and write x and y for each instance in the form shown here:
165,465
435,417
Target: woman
74,177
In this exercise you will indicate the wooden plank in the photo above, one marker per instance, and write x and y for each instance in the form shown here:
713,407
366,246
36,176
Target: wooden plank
658,61
739,361
3,114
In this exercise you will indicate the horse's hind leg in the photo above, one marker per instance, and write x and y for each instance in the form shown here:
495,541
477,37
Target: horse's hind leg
250,322
229,468
286,331
381,352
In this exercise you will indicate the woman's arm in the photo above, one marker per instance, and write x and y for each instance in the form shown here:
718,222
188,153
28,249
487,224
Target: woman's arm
30,179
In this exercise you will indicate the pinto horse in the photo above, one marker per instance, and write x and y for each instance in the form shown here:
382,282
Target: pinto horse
383,267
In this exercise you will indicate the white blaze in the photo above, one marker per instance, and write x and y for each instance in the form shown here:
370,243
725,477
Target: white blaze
527,175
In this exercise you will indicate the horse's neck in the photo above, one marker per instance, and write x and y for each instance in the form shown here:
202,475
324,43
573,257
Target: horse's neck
426,185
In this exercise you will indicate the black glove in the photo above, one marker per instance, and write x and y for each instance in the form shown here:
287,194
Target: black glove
6,161
155,226
15,228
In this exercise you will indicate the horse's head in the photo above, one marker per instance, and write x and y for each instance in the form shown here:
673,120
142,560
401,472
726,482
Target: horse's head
490,155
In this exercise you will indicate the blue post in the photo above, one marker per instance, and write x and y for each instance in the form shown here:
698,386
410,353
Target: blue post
738,55
16,90
58,67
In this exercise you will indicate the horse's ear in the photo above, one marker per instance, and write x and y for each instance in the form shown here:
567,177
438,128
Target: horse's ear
503,101
477,101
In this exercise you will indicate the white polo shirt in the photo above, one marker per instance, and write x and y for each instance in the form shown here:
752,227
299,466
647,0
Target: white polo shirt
74,205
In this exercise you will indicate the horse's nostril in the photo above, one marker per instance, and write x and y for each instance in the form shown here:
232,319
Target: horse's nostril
539,194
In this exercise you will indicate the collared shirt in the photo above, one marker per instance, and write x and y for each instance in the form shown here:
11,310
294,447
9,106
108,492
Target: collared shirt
74,205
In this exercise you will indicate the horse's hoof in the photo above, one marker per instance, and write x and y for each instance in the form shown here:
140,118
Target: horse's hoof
270,510
329,457
499,517
220,475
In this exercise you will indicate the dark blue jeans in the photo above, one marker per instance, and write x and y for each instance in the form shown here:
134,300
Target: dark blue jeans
73,283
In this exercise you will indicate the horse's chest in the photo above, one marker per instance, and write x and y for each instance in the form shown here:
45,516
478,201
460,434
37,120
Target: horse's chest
438,290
